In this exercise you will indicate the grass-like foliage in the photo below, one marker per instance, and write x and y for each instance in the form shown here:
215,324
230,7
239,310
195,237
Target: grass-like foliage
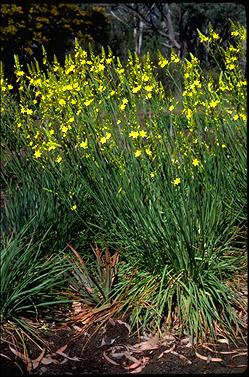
108,154
28,280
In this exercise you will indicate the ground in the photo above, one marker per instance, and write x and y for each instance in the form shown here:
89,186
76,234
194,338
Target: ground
113,350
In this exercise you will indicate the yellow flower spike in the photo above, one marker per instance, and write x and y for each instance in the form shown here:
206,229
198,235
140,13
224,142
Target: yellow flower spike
138,153
195,162
176,181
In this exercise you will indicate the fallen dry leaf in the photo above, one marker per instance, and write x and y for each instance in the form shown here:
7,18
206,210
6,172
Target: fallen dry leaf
109,359
139,369
240,354
167,351
36,362
208,348
150,344
223,341
49,360
26,359
227,352
208,358
181,357
68,357
136,364
61,349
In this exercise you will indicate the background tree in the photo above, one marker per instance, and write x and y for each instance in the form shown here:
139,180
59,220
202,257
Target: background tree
25,28
170,25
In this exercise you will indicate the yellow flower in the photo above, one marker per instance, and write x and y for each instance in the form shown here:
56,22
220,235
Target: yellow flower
231,66
112,93
58,159
20,73
37,154
84,144
138,153
152,174
176,181
134,134
88,102
64,129
136,89
171,108
62,102
195,162
163,62
174,57
74,208
215,36
236,117
148,88
29,111
145,77
242,116
101,67
213,103
143,133
148,151
70,69
118,121
235,33
76,86
108,60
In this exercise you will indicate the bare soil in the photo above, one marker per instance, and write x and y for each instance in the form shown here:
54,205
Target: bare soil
114,350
